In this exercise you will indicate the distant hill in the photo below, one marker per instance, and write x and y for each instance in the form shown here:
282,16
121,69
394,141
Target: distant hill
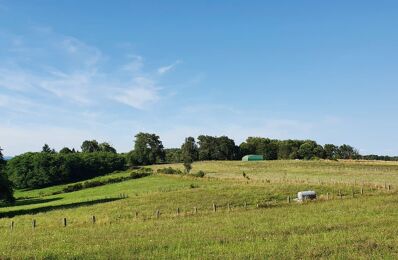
7,158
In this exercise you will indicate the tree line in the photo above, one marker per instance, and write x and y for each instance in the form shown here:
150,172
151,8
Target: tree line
49,167
224,148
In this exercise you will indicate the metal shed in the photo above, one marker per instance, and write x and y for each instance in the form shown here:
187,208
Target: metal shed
253,157
306,195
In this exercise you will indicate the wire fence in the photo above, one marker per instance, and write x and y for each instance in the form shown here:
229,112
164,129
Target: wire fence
178,212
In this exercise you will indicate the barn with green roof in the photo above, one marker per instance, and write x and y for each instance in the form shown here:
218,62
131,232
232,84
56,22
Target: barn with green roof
253,157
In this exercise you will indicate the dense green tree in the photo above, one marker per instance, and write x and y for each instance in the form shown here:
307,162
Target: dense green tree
226,149
46,149
131,159
173,155
347,152
34,170
262,146
378,157
2,161
148,149
319,152
306,150
189,153
217,148
65,150
331,151
90,146
207,147
189,150
288,149
6,191
106,147
284,150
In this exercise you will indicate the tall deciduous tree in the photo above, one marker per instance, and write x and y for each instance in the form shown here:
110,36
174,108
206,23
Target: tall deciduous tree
331,151
189,152
65,150
258,145
93,146
46,149
148,149
173,155
106,147
217,148
347,152
90,146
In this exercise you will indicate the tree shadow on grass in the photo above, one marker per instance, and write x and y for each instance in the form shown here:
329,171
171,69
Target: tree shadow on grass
23,202
13,213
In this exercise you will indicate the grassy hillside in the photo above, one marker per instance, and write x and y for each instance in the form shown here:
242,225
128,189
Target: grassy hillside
354,226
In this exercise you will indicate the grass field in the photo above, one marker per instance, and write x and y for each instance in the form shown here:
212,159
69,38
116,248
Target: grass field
355,226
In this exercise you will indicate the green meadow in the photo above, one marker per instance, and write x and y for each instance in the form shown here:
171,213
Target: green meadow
173,216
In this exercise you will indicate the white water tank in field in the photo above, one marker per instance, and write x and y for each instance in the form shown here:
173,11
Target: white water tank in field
306,195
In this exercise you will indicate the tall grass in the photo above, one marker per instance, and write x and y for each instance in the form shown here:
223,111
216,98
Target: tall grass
363,226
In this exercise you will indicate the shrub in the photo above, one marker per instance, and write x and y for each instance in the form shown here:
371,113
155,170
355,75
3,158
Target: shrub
140,174
199,174
145,170
72,188
169,170
91,184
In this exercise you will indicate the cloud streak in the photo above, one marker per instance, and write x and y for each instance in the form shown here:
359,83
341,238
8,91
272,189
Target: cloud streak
141,92
166,69
65,69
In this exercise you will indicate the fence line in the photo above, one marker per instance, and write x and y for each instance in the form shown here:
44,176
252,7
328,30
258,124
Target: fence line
217,208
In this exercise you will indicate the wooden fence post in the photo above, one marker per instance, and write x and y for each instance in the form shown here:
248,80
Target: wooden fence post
157,213
214,207
136,214
178,211
389,187
362,190
93,219
12,225
195,210
229,207
34,224
288,199
64,221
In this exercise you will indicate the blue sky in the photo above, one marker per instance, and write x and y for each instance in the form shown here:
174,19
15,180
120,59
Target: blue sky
105,70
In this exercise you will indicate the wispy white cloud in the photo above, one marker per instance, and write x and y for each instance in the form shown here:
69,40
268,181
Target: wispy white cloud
140,93
71,70
135,64
168,68
16,79
16,104
74,86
